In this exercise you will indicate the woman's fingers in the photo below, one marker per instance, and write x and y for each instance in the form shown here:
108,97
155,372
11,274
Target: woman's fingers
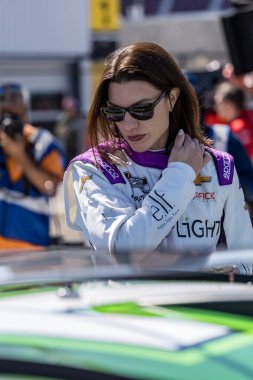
179,140
190,151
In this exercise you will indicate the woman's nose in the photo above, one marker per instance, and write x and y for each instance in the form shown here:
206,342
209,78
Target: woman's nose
129,122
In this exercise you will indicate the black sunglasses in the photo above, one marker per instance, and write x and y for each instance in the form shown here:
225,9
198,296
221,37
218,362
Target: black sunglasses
139,112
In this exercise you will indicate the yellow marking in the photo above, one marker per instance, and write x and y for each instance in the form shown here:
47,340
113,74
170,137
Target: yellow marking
199,179
105,15
83,180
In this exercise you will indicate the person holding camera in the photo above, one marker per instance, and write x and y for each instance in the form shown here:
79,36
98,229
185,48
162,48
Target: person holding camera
31,167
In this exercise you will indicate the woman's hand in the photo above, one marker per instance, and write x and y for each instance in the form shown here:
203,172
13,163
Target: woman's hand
189,151
13,147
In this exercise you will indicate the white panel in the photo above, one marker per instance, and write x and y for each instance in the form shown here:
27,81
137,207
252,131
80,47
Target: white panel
182,35
36,76
56,27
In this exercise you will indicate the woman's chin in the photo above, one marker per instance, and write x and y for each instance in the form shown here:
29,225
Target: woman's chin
138,148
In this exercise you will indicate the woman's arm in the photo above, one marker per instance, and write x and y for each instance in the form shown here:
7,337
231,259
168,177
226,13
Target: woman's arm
106,214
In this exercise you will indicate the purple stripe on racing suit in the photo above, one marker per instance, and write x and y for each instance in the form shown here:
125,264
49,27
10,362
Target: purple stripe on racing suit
224,162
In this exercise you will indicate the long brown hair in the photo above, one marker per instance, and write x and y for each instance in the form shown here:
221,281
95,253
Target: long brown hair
151,63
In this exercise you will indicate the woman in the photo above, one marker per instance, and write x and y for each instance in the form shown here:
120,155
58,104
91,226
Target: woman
152,182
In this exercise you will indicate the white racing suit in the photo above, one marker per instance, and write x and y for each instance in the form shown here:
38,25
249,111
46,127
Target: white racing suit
143,203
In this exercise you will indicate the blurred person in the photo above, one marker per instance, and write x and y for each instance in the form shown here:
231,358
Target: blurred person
230,105
31,167
244,81
154,183
223,139
70,128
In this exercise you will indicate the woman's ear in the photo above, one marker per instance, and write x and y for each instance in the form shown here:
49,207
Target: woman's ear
174,93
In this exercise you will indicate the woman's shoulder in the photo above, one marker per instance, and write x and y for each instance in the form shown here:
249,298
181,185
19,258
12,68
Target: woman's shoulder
105,158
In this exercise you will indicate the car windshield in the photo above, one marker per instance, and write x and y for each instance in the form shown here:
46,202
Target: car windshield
71,264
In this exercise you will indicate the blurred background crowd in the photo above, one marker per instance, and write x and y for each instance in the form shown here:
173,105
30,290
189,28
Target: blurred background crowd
51,57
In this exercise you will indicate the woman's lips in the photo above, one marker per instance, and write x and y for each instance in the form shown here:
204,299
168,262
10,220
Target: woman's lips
135,137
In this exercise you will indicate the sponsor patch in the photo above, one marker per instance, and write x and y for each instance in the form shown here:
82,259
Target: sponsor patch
205,196
198,228
226,166
108,168
138,182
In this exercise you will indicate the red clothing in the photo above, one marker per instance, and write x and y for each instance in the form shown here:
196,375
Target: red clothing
242,127
212,118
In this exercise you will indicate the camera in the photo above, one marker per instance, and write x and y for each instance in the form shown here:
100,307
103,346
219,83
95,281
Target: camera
12,125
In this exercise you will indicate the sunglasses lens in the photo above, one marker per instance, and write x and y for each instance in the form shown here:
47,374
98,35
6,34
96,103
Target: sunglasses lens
144,112
113,113
139,112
